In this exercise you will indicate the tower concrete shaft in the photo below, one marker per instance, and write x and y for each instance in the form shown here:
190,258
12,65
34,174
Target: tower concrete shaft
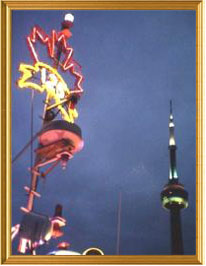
176,232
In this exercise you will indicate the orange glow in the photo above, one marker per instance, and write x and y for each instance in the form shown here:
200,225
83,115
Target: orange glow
63,245
22,245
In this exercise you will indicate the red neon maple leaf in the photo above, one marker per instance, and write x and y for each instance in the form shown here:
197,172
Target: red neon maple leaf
59,41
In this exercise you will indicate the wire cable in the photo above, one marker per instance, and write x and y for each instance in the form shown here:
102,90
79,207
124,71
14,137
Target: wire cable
32,127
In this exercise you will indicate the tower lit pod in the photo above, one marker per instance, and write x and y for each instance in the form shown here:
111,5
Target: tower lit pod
174,195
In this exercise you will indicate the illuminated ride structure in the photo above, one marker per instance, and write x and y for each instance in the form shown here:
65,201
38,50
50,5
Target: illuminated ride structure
58,140
174,197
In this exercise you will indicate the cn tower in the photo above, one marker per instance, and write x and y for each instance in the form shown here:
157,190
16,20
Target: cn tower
174,197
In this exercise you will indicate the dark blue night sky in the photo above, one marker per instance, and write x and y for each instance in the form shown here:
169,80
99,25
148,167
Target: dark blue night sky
134,62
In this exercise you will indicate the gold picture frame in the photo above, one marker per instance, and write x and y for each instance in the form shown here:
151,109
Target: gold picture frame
7,6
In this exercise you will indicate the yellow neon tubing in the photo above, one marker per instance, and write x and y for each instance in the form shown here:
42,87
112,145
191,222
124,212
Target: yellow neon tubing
27,73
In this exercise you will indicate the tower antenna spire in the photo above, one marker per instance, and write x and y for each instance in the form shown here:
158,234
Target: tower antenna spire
171,107
173,177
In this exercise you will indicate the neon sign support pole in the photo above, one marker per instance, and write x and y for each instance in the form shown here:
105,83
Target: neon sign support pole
35,170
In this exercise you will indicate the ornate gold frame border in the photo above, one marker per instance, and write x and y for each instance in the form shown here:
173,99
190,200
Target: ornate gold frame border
5,126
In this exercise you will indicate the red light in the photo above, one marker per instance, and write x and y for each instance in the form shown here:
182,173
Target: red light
52,42
63,245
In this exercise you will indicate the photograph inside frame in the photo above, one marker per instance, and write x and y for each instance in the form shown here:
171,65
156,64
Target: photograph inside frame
103,132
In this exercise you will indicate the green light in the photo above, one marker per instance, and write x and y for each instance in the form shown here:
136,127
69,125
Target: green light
174,200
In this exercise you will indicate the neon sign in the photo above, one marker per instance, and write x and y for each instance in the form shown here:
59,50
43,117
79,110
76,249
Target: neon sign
55,40
52,83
